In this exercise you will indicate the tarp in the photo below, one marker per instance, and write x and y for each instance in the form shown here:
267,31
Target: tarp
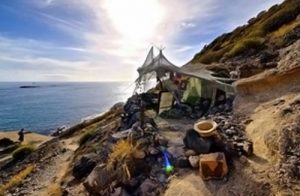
159,66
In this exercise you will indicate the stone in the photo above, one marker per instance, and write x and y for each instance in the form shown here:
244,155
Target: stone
182,162
148,188
161,140
84,166
194,161
213,166
98,180
153,150
4,142
193,141
162,178
286,110
176,151
139,154
243,160
190,153
248,148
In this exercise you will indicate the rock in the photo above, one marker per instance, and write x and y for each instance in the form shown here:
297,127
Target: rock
4,142
248,148
176,151
98,180
118,192
84,166
161,140
286,110
148,188
193,141
153,151
213,166
162,178
243,160
182,162
194,161
190,153
139,154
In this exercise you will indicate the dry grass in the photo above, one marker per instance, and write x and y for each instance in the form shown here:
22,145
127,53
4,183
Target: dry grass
244,45
23,151
85,137
16,179
120,160
286,28
53,190
278,20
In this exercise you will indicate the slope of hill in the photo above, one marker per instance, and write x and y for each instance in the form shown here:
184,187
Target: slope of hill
254,47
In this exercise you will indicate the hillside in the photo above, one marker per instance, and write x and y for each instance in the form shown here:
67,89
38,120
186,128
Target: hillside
254,47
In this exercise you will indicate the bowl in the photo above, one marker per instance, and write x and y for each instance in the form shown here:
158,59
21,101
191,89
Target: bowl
206,128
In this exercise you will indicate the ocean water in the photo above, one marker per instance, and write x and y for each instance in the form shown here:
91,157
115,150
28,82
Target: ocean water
53,105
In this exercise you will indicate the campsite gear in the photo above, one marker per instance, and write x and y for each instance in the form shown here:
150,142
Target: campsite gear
206,128
166,101
201,82
213,166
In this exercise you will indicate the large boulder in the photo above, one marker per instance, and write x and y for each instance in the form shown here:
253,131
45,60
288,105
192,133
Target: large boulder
148,188
4,142
99,179
84,166
193,141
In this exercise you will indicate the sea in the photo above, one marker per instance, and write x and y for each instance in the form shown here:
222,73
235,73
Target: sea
55,104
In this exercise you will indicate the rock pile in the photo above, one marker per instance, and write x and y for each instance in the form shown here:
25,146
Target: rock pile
232,130
181,110
289,152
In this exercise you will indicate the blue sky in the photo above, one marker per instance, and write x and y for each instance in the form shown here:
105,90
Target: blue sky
106,40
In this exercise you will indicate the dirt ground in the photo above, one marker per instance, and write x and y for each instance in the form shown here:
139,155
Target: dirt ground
29,138
249,176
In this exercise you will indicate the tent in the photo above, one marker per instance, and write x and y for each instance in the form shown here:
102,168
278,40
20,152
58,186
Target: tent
186,85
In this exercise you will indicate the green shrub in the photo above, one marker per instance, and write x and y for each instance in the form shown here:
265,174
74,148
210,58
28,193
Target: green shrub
211,56
281,17
22,152
244,45
85,137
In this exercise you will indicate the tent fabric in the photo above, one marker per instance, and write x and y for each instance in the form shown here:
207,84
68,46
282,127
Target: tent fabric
158,67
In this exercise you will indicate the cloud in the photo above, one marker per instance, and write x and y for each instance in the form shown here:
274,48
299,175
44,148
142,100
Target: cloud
113,36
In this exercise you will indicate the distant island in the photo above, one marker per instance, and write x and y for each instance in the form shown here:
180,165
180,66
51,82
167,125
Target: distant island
32,86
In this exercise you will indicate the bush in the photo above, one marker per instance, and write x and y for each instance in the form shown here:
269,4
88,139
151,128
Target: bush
16,179
22,152
85,137
211,56
244,45
120,160
283,16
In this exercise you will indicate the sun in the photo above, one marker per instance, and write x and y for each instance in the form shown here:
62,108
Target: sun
135,19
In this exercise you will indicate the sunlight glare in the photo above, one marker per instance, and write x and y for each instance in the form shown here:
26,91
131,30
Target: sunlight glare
135,19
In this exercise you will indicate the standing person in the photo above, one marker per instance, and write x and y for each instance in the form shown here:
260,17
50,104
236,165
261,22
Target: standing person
21,135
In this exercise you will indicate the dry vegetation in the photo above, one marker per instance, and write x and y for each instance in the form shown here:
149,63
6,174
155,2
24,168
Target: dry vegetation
276,22
16,179
121,158
54,190
85,137
23,151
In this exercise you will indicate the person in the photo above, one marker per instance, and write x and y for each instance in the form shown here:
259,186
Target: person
21,135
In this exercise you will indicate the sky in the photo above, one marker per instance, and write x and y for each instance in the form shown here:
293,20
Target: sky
107,40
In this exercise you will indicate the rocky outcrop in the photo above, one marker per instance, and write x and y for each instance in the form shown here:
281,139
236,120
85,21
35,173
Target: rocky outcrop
84,166
265,86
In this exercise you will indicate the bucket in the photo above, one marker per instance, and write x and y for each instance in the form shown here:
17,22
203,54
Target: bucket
205,128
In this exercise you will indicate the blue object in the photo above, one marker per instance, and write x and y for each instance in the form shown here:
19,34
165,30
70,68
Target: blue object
168,167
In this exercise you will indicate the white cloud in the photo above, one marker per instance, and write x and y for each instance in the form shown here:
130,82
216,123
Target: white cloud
116,37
